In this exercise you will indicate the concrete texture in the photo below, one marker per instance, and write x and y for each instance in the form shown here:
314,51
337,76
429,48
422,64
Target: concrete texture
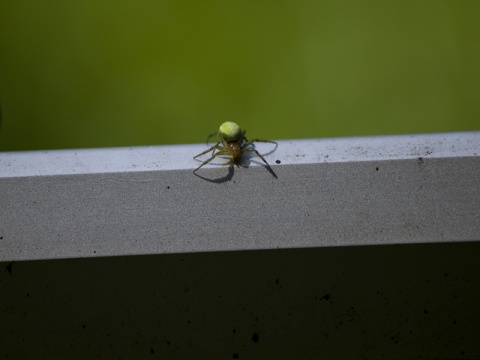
416,199
309,286
368,302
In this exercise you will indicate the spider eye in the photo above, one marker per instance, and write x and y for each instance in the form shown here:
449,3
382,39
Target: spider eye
230,131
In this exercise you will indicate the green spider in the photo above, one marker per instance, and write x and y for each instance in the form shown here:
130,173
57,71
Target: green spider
233,143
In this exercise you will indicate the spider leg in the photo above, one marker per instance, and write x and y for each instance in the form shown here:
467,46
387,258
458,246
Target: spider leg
212,135
220,148
260,140
210,149
221,152
261,157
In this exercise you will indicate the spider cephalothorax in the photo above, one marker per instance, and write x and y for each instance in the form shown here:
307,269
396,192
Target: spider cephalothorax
232,142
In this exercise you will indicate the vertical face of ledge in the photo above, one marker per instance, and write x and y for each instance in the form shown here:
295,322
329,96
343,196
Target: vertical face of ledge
329,192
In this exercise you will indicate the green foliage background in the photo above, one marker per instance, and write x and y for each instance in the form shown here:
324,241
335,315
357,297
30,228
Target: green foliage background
97,73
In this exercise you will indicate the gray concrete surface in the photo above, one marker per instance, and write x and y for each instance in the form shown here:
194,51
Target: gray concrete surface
236,264
362,194
289,152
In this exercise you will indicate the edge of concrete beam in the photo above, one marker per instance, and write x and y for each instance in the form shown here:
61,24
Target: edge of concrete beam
329,192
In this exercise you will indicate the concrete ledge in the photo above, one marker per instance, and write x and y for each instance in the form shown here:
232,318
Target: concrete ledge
329,192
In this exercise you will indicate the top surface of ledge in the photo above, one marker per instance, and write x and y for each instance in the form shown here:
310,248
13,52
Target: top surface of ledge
288,152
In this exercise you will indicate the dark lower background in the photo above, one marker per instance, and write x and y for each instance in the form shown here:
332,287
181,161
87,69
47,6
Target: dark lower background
370,302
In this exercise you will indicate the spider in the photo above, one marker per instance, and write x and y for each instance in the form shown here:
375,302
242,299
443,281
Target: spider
233,143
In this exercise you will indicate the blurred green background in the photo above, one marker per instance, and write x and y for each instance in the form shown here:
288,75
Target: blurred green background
98,73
